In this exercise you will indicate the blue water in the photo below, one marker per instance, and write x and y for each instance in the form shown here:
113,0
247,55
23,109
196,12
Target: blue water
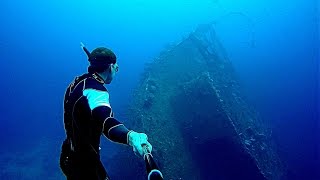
274,46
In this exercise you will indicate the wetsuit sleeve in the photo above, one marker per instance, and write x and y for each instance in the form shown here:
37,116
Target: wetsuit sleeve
101,111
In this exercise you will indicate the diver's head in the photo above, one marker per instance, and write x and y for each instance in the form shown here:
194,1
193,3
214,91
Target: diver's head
103,62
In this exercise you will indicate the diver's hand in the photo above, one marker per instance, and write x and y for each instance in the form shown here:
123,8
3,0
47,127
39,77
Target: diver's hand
137,141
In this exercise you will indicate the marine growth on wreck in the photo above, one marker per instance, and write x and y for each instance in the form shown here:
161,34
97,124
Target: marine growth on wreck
189,103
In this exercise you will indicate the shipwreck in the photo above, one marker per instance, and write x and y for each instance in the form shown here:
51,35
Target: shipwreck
189,103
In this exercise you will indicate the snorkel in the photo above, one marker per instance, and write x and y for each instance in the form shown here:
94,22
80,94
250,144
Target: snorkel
100,57
98,78
85,50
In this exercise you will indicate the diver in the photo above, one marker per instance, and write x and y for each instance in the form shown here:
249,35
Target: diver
88,115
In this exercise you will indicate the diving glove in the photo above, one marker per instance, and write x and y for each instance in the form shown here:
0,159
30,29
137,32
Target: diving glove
137,141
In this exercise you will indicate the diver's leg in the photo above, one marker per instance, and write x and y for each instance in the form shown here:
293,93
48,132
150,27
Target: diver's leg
101,172
88,171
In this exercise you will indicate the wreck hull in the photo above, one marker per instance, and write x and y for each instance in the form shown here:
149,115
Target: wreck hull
189,104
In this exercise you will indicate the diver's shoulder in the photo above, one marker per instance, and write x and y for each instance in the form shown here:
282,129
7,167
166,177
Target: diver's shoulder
91,83
76,83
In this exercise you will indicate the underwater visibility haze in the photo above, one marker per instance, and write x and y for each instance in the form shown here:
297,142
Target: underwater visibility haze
273,47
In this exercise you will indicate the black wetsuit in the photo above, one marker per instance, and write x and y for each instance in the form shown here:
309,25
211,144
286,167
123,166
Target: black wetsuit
88,115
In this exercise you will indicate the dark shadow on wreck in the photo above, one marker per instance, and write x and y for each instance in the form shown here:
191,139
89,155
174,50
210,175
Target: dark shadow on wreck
220,159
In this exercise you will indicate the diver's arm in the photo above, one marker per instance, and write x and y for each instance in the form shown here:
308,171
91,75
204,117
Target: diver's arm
111,128
117,132
114,130
102,112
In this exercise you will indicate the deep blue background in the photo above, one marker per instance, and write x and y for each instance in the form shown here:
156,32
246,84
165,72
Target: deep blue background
274,46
